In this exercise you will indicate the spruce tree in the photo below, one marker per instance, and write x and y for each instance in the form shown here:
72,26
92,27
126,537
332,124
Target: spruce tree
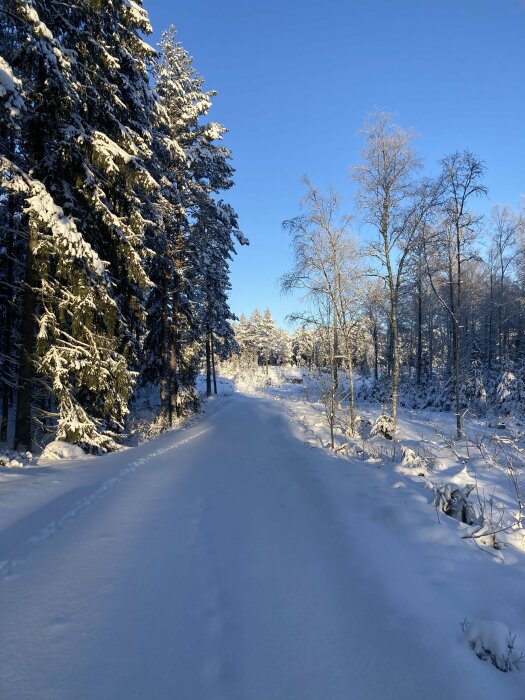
196,228
12,108
182,103
85,136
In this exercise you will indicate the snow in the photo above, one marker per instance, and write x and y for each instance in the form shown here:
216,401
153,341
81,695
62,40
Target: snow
58,449
40,28
111,156
138,16
41,206
10,86
384,425
109,151
13,459
214,131
495,642
235,558
7,79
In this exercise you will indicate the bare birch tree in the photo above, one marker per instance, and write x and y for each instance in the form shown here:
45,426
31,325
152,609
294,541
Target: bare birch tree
459,181
325,264
506,226
387,192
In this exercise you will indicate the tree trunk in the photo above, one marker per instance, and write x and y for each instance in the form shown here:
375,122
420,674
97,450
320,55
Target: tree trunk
395,363
490,324
37,145
174,408
430,345
8,329
24,394
208,365
501,340
457,348
335,377
165,396
419,364
351,393
174,382
387,362
457,379
376,352
212,344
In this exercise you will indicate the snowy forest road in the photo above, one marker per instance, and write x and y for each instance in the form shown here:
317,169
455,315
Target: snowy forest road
214,565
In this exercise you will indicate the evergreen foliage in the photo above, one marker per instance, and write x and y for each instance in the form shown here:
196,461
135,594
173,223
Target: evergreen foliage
114,250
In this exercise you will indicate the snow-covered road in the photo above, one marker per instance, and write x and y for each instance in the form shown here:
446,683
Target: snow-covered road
210,563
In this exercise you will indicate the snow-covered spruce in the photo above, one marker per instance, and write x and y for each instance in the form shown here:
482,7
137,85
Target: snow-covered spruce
383,425
188,308
117,185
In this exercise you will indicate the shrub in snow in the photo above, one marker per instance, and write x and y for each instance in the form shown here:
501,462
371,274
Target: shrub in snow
375,391
384,425
247,376
510,391
473,394
494,642
479,395
452,500
411,459
12,459
6,461
58,449
146,430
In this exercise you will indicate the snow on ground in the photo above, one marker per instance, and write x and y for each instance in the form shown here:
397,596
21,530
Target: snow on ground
482,583
237,558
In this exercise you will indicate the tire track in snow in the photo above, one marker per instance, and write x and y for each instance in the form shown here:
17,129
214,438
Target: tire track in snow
216,676
8,566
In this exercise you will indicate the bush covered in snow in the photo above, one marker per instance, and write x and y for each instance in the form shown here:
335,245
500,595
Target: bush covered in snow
494,642
250,376
413,460
510,391
482,391
58,449
145,429
12,459
375,391
384,425
452,500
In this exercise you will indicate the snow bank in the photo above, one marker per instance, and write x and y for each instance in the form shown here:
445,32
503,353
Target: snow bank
58,449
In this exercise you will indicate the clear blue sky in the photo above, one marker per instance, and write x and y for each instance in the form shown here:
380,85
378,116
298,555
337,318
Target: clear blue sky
297,79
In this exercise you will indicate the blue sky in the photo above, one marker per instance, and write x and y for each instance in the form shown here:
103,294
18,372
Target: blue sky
296,81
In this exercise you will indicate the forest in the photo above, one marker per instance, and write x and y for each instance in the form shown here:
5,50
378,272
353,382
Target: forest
418,291
115,238
115,243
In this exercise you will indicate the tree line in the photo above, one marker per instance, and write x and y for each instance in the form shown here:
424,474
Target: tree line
114,237
430,297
